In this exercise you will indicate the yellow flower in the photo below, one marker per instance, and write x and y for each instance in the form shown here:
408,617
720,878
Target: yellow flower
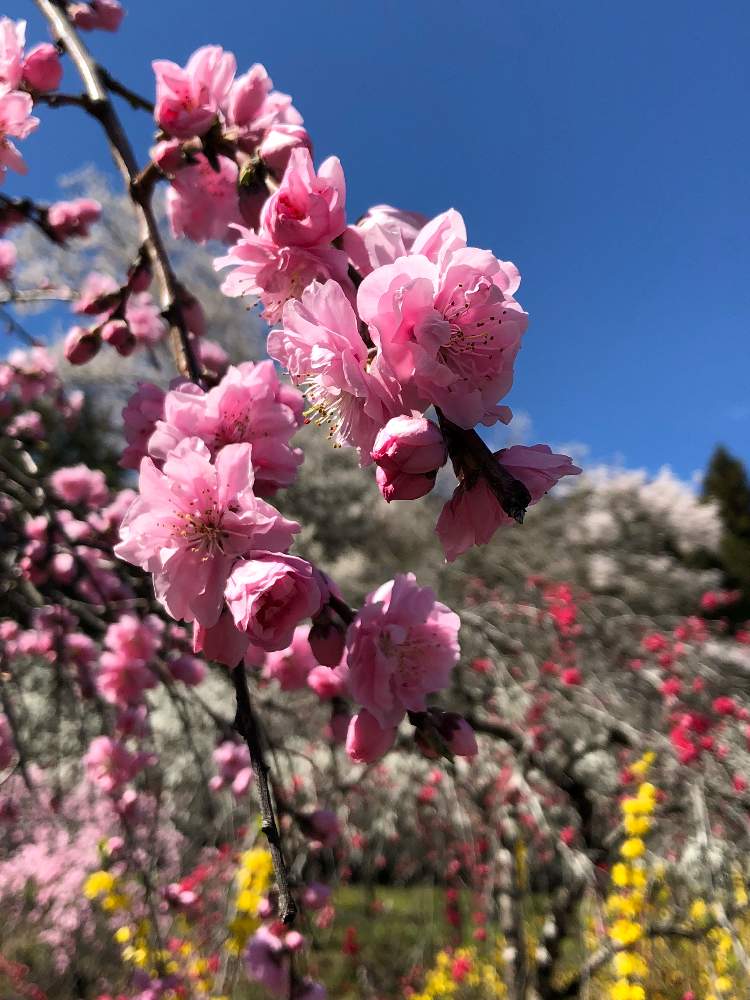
698,910
625,932
123,935
114,901
97,884
636,826
723,984
634,847
620,875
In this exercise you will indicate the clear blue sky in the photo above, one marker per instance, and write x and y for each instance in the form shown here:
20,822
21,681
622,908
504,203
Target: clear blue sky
603,147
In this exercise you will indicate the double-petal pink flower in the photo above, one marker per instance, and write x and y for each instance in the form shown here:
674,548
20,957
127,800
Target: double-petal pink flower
193,520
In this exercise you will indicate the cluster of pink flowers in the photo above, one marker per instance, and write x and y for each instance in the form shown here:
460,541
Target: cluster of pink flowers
205,100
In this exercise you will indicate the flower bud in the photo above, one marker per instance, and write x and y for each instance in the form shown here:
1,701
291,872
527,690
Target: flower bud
326,639
278,144
81,345
408,451
117,333
366,740
42,69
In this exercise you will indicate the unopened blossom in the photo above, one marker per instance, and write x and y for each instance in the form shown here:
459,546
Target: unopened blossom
402,646
270,594
449,330
473,514
203,203
7,745
118,334
308,209
408,453
277,274
250,405
8,259
321,348
97,295
366,739
278,144
77,484
16,122
192,520
73,218
188,99
101,15
42,68
382,235
292,665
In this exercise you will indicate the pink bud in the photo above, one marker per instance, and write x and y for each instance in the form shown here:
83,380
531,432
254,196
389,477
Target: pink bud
408,452
167,155
105,15
117,333
278,144
461,739
326,640
8,257
81,345
42,69
366,740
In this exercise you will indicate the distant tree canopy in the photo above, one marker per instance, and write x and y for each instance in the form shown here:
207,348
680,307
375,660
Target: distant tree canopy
727,483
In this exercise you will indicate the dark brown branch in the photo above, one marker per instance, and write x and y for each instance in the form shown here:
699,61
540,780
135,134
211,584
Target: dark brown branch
472,460
99,105
133,99
246,725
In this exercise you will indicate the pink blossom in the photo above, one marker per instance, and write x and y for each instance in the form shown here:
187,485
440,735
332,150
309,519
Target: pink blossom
101,15
140,414
328,682
473,514
188,100
118,334
7,745
382,235
267,962
278,144
12,41
189,670
249,405
402,646
308,209
192,520
408,452
42,68
77,484
233,763
110,765
203,203
125,671
222,642
73,218
252,109
322,350
8,259
277,274
448,330
458,735
270,594
97,295
16,121
144,318
324,826
366,739
291,666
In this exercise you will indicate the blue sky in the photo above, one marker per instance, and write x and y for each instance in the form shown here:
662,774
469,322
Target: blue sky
602,147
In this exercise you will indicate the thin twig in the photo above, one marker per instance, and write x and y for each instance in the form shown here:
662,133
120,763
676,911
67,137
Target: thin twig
246,725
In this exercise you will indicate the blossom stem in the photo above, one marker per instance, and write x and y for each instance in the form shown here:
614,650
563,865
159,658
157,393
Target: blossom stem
246,725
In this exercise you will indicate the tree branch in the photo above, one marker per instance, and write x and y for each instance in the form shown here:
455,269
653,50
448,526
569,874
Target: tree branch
246,725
